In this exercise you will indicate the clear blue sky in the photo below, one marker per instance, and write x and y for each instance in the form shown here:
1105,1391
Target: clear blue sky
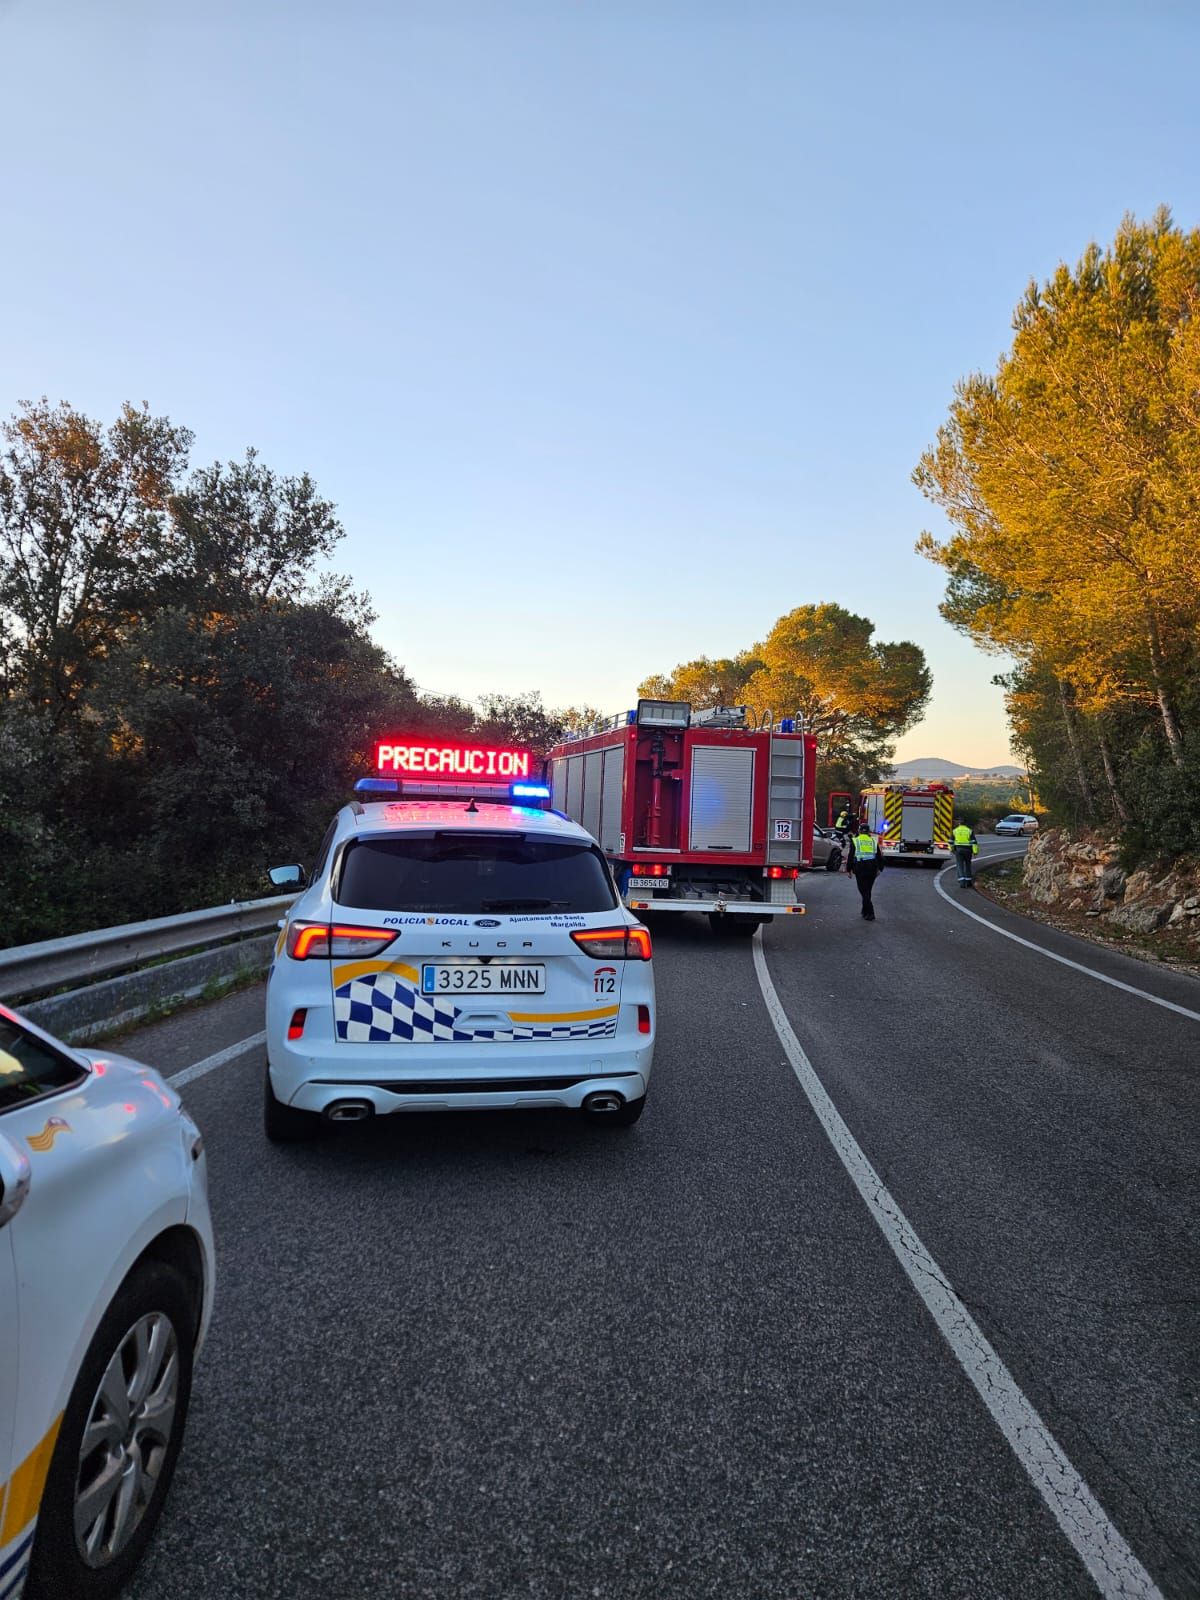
613,327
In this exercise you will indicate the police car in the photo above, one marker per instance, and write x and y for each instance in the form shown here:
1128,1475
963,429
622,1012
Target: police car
457,947
105,1291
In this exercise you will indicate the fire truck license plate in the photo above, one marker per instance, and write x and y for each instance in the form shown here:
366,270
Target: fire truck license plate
641,884
472,977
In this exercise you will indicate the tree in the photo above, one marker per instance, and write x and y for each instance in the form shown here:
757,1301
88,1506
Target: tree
239,534
1071,479
80,509
519,719
703,682
821,663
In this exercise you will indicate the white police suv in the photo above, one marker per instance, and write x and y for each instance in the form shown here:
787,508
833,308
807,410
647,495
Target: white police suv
456,949
105,1290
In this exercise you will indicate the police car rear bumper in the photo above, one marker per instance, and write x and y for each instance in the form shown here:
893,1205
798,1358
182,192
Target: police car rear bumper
480,1077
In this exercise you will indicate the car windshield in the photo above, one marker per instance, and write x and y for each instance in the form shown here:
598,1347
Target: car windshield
473,872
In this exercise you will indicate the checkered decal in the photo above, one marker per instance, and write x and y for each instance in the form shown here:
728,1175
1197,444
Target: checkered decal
382,1007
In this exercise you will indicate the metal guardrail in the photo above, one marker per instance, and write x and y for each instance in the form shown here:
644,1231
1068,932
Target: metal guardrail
83,958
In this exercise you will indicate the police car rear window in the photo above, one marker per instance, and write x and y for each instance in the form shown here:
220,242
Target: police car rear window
29,1068
473,872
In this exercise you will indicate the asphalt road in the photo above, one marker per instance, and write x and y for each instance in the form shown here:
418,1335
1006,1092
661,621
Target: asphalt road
515,1356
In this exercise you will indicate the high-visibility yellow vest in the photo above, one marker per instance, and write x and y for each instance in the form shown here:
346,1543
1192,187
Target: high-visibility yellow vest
962,834
865,848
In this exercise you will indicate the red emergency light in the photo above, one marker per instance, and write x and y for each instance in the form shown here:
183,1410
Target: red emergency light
400,758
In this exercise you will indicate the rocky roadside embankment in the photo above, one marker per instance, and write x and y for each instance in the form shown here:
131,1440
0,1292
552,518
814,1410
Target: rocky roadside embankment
1076,881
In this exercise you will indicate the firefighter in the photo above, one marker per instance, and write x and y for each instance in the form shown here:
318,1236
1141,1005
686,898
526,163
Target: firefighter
866,862
844,819
965,847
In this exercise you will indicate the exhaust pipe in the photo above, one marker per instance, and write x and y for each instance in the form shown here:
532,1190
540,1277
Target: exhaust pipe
603,1103
350,1111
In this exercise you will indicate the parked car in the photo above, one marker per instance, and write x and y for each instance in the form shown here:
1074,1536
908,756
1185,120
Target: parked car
828,848
1017,822
105,1291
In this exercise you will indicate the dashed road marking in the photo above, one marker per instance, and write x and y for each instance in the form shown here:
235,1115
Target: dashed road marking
230,1053
1051,955
1116,1571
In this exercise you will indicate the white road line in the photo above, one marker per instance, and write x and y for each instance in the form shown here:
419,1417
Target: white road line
1051,955
230,1053
1116,1571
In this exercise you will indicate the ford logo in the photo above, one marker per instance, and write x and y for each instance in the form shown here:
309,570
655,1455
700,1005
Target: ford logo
487,922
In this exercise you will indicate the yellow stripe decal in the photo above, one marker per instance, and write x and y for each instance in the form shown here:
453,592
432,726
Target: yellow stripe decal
25,1487
363,969
564,1016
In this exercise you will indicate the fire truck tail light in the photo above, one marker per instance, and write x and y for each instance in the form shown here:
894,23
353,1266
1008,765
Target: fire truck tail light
309,941
781,872
614,944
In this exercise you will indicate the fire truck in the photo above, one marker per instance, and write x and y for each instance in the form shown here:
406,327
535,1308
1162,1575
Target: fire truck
913,821
696,810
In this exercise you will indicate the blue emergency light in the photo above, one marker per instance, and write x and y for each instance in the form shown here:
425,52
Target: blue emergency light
530,791
377,786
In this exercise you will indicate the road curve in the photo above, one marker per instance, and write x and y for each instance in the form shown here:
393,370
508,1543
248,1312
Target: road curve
481,1356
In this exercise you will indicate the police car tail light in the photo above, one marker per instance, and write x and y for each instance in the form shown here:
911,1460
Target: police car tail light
614,944
643,1019
296,1025
309,941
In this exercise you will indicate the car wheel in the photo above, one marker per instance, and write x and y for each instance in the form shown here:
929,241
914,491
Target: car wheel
833,861
119,1441
284,1124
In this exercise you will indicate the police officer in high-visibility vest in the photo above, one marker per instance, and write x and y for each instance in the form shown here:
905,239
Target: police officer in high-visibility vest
965,847
866,863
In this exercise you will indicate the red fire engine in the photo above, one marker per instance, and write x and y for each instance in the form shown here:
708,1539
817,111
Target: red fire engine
696,810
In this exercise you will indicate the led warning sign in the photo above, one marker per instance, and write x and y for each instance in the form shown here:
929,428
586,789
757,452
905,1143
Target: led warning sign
420,760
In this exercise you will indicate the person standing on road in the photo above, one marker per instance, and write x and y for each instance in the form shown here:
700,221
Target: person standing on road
844,819
866,863
965,847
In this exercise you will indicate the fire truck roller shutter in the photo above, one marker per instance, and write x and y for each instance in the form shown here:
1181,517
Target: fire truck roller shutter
593,764
558,783
722,793
574,805
612,786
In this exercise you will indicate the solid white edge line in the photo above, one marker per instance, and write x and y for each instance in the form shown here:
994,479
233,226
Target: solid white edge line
230,1053
1116,1571
1051,955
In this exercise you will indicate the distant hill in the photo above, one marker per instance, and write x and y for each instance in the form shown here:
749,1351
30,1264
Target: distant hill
935,767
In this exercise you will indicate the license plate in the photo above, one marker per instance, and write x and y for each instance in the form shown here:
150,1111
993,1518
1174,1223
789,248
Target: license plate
649,883
474,977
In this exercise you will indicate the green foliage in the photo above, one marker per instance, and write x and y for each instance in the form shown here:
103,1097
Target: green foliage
184,698
1071,480
821,663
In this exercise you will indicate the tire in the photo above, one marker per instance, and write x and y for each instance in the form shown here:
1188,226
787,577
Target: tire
284,1124
833,861
155,1298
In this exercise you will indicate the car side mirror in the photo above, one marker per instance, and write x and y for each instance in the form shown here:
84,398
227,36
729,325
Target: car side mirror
292,877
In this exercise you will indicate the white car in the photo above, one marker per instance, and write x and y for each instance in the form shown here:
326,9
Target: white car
1018,822
106,1276
449,954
